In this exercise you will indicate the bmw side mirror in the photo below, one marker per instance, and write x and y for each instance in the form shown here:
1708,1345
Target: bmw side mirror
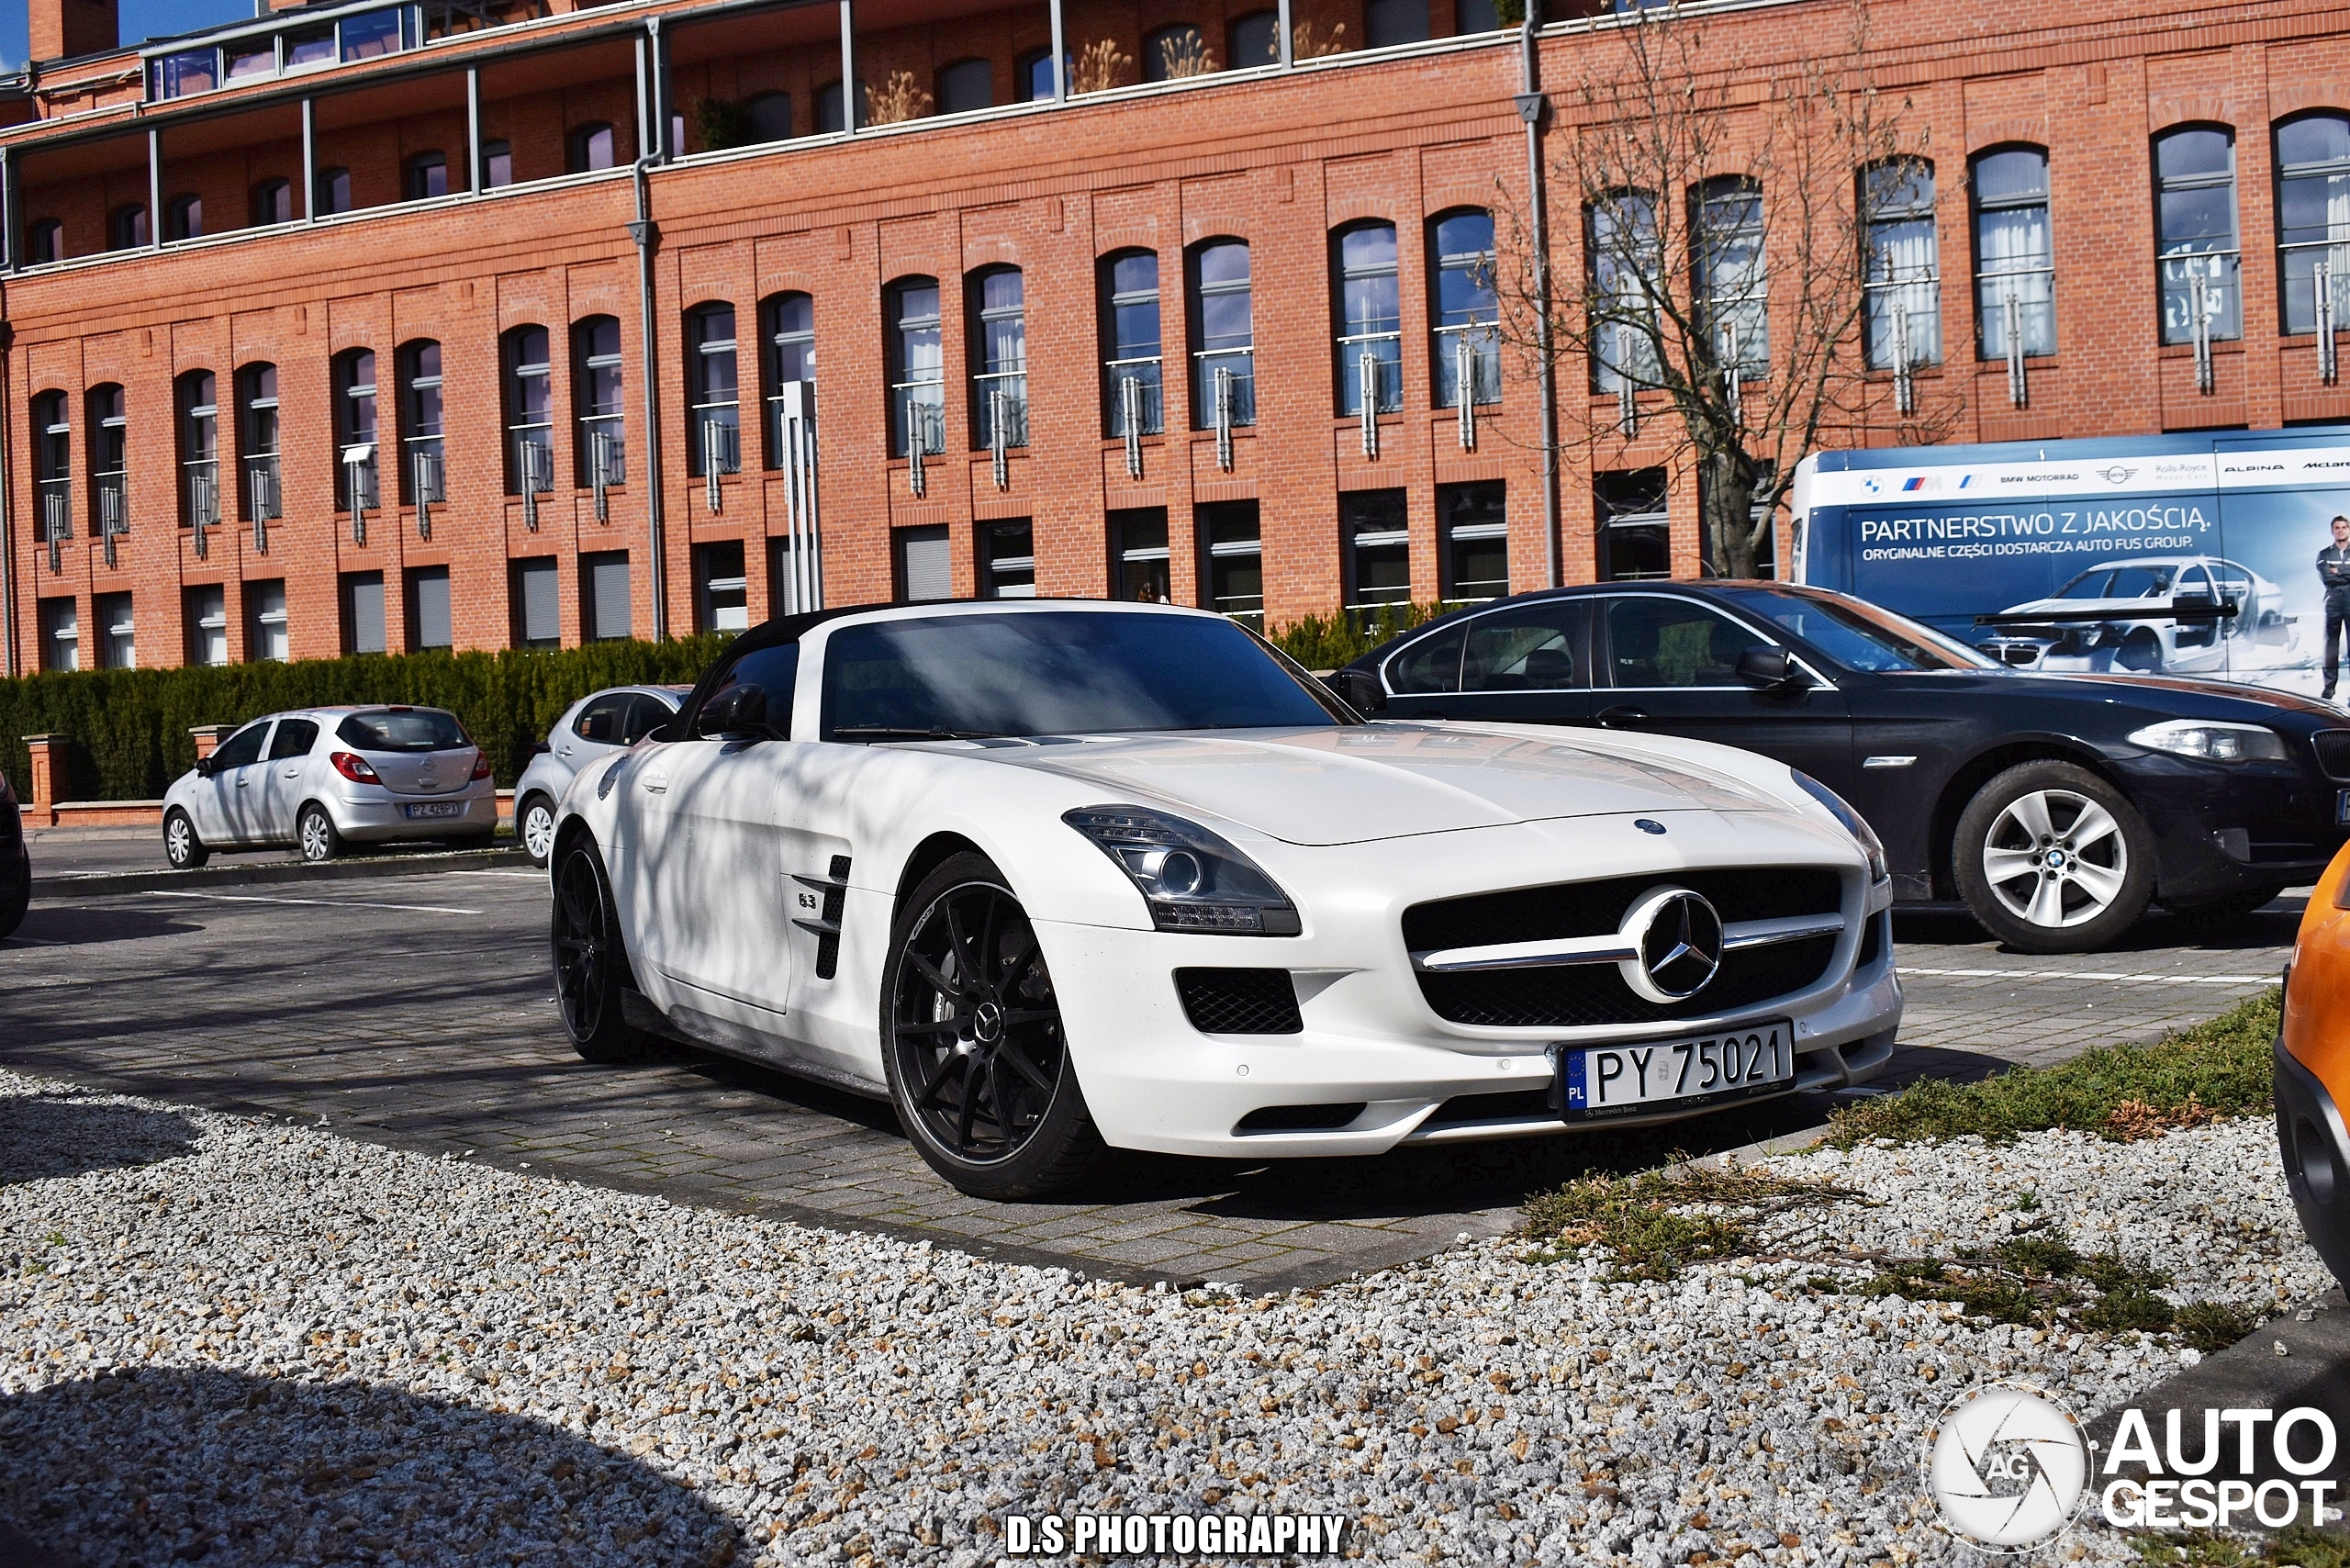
739,712
1767,669
1358,690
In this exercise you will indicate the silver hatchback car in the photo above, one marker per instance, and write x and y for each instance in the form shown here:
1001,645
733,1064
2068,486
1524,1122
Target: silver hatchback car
320,777
596,725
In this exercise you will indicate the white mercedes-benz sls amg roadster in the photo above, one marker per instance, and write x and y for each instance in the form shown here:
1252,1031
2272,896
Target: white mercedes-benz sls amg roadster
1056,875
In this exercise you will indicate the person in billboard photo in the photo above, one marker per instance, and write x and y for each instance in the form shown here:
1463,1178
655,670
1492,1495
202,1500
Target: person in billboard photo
2333,571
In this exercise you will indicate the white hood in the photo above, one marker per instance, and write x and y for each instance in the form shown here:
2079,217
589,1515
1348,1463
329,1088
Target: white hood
1348,786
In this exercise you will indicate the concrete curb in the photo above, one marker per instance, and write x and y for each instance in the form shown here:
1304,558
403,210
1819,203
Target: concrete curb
97,884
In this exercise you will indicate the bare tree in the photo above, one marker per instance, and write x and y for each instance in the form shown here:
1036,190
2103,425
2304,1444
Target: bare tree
1728,281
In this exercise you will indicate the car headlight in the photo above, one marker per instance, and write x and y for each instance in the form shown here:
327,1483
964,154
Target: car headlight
1854,823
2208,740
1191,879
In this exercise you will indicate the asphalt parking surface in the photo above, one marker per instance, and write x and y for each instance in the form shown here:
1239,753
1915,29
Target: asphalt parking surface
416,1011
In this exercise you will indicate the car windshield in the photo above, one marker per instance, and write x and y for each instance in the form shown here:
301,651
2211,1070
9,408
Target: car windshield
1058,672
1860,635
404,729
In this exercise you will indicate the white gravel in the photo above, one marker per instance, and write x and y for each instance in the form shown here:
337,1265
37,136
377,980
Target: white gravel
272,1345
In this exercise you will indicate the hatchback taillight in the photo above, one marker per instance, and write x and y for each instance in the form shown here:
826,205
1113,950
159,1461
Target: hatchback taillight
481,765
355,768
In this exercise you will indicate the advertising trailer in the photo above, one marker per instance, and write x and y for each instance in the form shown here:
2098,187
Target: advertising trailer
2181,554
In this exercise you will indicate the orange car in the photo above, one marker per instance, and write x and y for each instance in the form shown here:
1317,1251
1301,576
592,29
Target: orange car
2313,1068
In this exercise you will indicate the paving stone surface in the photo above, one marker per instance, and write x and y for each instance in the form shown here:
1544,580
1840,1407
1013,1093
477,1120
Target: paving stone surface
417,1012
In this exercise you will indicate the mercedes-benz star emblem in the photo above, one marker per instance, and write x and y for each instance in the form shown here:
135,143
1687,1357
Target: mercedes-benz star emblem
1678,935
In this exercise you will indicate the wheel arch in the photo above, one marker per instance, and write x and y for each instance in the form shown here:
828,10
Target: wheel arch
1979,771
925,857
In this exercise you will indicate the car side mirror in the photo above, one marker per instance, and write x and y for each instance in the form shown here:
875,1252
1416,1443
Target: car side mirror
205,768
739,712
1767,669
1358,690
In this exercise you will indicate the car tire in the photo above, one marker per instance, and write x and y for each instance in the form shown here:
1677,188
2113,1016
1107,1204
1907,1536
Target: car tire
316,836
182,848
534,827
13,905
591,967
2222,912
2051,858
978,1061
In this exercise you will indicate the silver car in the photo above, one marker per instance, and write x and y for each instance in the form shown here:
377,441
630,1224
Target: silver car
319,777
596,725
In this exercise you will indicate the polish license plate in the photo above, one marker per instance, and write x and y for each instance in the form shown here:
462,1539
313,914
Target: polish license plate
1608,1079
434,809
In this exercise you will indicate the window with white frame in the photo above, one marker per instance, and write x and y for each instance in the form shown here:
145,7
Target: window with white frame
1370,340
1903,285
2195,174
2313,215
2015,261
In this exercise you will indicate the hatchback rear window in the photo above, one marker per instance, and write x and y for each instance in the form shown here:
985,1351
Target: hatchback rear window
406,729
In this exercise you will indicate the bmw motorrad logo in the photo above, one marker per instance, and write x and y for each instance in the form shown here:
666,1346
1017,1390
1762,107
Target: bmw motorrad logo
1678,937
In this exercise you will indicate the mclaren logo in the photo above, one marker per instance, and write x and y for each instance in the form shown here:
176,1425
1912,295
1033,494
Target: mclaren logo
1678,937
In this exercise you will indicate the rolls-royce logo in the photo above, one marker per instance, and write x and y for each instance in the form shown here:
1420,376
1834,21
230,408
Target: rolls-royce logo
1678,936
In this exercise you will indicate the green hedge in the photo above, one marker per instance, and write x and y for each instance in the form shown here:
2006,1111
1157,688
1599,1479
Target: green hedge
128,737
129,728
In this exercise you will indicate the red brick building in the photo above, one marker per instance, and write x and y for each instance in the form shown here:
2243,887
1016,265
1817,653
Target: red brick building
406,325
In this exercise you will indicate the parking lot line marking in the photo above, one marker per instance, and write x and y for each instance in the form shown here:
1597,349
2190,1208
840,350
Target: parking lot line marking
533,876
2089,975
318,903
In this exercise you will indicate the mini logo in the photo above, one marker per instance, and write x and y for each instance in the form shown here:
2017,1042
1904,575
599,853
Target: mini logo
2115,475
1677,938
1647,824
2007,1468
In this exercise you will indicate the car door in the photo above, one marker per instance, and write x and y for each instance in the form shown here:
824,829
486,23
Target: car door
1670,667
229,806
287,777
1519,663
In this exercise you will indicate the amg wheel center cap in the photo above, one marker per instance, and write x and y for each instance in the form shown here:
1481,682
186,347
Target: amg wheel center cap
1677,935
986,1022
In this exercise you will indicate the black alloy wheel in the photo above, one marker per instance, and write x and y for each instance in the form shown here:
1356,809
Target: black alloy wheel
590,966
977,1056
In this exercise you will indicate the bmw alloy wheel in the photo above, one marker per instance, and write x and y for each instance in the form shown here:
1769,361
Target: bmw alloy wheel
2056,858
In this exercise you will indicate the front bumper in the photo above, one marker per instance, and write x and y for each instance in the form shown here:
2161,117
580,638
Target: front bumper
2219,830
2316,1150
379,818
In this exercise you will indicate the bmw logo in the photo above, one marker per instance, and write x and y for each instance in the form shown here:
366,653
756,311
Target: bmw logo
1647,824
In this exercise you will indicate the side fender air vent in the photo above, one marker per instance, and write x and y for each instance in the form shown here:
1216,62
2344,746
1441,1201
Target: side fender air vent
833,885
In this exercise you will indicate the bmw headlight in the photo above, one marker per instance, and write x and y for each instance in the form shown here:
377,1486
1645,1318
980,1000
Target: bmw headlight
1191,879
2208,740
1854,823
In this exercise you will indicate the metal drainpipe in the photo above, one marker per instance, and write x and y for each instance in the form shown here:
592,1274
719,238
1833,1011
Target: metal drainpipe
1530,107
7,490
647,234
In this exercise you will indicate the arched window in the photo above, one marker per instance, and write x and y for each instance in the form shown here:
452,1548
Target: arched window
1172,54
330,192
917,365
183,218
259,494
1130,345
109,428
355,457
828,106
1465,339
1726,251
998,313
196,400
788,326
966,85
527,391
53,465
1370,338
1386,22
592,147
2194,231
1475,16
1626,281
596,395
2015,261
1223,336
771,117
273,203
497,164
422,476
2313,215
1902,255
713,411
127,227
1034,77
426,175
44,241
1255,40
